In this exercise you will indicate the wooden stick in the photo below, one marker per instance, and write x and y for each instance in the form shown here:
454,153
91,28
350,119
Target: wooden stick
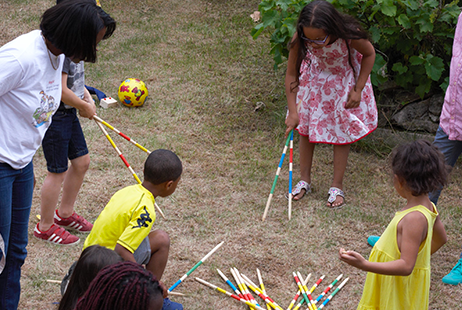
176,294
294,300
276,178
291,160
248,303
125,161
195,267
121,134
262,286
259,292
53,281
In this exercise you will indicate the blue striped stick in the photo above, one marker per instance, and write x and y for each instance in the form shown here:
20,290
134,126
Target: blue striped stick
195,267
291,160
328,288
230,283
276,178
333,294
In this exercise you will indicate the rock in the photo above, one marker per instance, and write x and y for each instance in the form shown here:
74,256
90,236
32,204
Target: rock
405,110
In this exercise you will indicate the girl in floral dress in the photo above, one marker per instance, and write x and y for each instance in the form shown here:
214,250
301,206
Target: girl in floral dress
328,89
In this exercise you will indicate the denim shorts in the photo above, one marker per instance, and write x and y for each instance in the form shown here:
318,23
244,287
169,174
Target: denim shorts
143,253
63,140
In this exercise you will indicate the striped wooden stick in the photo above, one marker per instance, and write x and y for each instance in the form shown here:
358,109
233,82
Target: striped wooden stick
262,286
327,289
121,134
291,160
195,267
222,275
248,303
292,303
125,161
276,178
259,292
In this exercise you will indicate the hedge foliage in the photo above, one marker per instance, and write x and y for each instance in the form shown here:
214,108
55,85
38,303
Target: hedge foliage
413,38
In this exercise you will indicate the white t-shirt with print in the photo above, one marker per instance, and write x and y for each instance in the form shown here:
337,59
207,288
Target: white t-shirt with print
30,92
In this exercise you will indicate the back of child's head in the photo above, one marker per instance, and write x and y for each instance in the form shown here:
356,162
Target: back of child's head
420,165
123,286
72,27
162,166
323,15
91,261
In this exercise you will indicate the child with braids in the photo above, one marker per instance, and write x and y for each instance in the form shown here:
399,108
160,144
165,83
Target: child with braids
329,93
123,286
125,223
399,265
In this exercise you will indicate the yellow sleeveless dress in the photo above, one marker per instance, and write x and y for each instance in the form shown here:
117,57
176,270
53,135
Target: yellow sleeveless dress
399,292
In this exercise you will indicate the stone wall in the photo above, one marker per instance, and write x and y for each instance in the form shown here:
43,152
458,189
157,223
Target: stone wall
402,110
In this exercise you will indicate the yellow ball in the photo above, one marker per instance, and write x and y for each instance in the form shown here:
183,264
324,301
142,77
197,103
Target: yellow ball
133,92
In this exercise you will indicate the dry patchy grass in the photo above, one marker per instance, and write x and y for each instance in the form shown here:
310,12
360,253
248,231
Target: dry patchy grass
205,76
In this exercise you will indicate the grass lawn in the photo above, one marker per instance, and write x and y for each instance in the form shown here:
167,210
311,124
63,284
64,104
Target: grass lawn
206,76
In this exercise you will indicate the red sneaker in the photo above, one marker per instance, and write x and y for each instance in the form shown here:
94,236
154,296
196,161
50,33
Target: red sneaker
74,222
56,235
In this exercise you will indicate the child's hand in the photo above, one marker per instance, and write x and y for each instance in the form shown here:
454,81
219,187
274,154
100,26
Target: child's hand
88,110
352,258
164,289
291,122
354,98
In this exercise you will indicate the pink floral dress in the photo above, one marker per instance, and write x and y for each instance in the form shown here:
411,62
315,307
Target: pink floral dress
325,81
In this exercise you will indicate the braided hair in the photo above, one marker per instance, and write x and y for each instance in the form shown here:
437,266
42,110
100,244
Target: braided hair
323,15
123,286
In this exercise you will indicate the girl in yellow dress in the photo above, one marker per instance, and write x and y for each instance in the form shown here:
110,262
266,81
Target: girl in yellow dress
399,265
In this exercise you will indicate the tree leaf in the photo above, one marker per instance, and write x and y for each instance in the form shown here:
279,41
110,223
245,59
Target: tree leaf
404,21
416,60
398,67
434,67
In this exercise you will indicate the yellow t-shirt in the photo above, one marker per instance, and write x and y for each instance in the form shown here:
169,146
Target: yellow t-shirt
126,220
382,292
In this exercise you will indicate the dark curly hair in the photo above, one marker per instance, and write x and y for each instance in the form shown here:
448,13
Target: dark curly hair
162,166
421,166
122,286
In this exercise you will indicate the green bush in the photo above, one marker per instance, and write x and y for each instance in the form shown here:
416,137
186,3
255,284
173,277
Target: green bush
413,38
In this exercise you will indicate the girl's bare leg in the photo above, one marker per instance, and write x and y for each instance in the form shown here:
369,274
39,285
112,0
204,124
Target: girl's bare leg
306,160
340,162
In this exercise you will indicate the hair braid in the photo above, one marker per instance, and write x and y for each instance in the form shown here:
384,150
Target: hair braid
122,286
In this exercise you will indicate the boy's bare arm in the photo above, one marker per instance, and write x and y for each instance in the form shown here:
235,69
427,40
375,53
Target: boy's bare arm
86,108
124,253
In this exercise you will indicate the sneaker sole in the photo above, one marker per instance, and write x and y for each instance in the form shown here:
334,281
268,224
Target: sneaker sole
54,239
57,243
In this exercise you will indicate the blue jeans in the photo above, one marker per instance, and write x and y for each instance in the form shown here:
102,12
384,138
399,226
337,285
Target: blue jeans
451,150
16,188
64,139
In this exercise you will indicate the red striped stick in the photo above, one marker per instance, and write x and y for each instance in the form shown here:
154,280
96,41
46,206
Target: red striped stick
292,303
248,303
121,134
262,287
260,293
125,161
246,290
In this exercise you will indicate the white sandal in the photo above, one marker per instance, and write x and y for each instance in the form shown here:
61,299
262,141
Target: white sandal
333,193
298,189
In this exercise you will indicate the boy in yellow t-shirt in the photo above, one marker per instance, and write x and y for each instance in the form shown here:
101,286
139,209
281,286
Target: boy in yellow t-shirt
125,223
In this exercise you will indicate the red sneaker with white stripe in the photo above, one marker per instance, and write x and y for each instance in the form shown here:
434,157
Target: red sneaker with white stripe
74,222
56,235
